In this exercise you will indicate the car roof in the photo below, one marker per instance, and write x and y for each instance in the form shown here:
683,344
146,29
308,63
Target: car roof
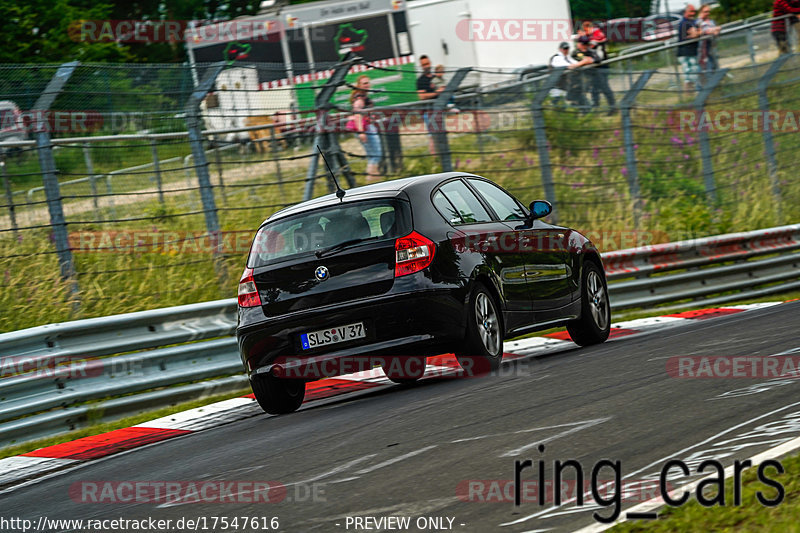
384,189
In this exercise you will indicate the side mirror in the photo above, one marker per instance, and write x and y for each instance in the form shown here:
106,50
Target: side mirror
540,209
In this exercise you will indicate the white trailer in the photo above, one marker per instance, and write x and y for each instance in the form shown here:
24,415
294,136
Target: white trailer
497,34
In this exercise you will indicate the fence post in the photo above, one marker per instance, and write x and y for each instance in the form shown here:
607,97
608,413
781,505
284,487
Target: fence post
87,157
705,147
273,145
630,153
199,155
157,169
438,121
12,215
47,164
477,113
322,136
218,161
769,143
540,133
750,46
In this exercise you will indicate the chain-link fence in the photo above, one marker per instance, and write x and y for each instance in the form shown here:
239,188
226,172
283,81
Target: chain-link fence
129,187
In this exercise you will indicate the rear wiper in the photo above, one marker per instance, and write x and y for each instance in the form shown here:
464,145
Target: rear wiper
341,246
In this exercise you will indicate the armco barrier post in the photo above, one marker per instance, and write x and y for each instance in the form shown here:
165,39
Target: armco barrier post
439,122
47,164
199,154
769,143
705,147
540,132
630,152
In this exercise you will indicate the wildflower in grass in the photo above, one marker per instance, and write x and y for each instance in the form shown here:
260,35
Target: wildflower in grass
578,185
510,163
624,171
676,141
501,156
635,146
621,151
595,152
734,140
468,162
689,140
616,133
758,166
528,161
686,156
599,162
457,162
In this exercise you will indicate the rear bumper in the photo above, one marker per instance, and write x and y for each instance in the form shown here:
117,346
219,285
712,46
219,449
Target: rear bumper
425,322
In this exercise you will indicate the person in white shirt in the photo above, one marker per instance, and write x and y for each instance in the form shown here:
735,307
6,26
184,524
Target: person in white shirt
569,86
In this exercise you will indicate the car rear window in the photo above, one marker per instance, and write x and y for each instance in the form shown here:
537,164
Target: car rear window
305,233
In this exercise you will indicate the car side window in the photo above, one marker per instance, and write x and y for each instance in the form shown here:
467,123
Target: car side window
467,204
501,202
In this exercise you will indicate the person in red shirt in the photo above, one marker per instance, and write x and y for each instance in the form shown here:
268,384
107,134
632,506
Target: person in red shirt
779,9
599,75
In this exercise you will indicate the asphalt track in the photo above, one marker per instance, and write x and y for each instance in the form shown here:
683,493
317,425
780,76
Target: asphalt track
412,451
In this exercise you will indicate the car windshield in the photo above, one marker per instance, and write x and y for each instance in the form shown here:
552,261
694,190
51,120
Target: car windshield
325,228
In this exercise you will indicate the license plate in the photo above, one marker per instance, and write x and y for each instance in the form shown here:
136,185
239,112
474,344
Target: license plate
324,337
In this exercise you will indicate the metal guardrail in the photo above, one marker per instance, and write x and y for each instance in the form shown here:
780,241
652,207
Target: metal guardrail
108,367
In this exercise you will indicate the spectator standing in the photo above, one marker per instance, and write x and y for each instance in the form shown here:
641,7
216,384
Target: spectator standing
779,9
599,74
687,53
427,90
367,131
708,56
584,54
569,85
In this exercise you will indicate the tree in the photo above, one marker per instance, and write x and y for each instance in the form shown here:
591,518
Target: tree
38,31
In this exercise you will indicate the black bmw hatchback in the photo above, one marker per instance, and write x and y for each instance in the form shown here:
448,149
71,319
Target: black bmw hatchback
397,271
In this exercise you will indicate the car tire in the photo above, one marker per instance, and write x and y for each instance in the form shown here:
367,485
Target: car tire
404,370
278,396
594,324
482,350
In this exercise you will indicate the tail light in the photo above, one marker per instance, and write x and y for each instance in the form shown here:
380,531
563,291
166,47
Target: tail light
248,294
412,253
